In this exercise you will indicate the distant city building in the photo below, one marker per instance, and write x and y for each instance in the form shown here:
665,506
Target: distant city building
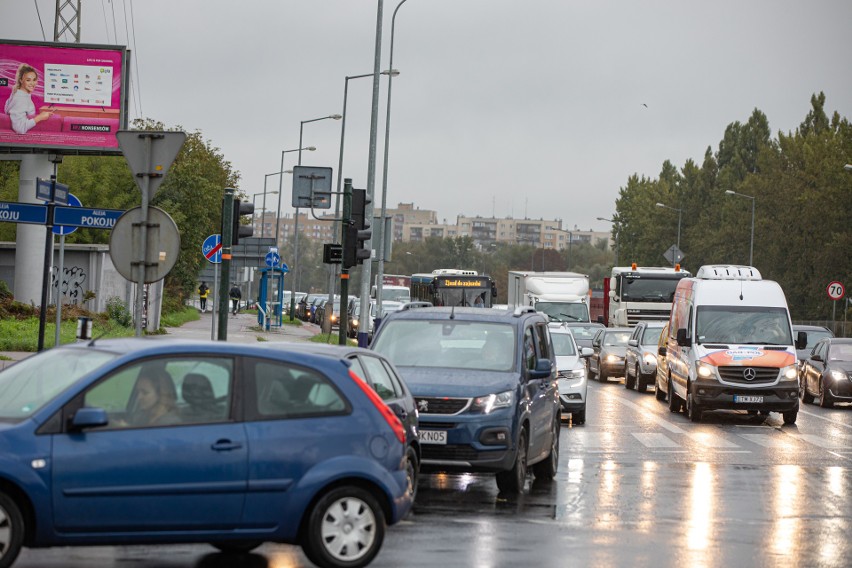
412,224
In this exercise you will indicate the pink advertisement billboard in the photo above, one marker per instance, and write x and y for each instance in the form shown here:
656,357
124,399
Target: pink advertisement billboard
63,98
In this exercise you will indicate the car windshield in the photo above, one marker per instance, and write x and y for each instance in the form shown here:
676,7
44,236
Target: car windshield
585,332
651,336
616,338
840,352
648,289
564,311
746,325
562,344
448,343
30,384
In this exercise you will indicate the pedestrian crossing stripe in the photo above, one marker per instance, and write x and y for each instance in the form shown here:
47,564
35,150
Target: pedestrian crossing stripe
609,442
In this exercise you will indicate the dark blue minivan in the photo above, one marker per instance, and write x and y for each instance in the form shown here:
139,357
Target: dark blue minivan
485,385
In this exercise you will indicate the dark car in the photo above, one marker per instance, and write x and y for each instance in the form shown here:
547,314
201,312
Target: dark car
814,334
827,373
303,308
584,333
485,385
380,374
640,359
610,348
140,441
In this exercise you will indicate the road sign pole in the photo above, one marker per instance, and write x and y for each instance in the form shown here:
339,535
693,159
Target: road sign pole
214,302
59,277
141,248
48,256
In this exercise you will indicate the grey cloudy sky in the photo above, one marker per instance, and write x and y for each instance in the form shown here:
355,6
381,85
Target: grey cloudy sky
505,107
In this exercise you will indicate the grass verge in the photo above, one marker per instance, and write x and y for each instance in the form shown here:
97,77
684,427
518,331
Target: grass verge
332,339
177,319
22,335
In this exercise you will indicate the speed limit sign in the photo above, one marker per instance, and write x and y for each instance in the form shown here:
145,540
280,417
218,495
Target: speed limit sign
835,290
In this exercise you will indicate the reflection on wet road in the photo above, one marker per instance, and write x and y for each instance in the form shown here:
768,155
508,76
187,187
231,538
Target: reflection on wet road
637,486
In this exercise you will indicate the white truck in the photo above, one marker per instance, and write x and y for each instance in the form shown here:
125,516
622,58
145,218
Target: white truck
640,293
563,296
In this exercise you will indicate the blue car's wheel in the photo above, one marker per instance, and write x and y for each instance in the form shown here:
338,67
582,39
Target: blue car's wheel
345,529
11,531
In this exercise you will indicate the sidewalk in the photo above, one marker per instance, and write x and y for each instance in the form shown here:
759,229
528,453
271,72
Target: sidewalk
239,331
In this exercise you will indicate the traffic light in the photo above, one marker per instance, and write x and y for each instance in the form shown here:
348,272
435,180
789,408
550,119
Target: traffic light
358,231
237,231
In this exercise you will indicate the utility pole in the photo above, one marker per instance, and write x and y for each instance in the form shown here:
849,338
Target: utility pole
67,20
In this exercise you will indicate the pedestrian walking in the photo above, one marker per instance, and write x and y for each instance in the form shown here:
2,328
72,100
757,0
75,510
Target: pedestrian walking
203,292
235,296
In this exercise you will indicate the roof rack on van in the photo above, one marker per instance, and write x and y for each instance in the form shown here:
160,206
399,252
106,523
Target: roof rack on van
523,310
728,272
411,305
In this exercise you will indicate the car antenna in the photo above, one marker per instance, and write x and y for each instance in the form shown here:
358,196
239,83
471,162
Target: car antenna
92,342
453,312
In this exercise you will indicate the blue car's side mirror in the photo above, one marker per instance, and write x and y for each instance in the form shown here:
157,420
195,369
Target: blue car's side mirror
88,417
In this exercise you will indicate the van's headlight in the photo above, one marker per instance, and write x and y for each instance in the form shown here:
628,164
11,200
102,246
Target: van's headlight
649,359
705,371
789,373
354,322
486,404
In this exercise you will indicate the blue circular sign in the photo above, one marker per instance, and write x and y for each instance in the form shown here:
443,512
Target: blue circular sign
62,229
212,249
272,259
284,268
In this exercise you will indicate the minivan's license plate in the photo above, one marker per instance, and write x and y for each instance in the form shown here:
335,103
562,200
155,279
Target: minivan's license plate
433,437
747,398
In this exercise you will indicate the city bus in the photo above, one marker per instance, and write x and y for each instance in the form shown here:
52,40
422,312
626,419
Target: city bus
451,287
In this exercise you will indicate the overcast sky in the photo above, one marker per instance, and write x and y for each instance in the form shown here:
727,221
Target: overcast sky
529,108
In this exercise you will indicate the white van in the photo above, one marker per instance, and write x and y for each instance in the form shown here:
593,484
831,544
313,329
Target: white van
730,345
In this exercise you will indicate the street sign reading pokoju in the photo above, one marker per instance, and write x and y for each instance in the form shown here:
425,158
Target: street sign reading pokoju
23,213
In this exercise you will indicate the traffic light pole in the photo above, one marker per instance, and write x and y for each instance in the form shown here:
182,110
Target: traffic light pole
343,327
227,240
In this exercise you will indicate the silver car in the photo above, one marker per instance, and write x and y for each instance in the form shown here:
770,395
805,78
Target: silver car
610,346
640,359
571,372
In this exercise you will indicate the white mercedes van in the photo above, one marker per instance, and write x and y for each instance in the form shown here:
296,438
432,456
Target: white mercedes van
730,345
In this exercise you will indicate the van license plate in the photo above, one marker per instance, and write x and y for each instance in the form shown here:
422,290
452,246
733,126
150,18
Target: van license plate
748,399
433,437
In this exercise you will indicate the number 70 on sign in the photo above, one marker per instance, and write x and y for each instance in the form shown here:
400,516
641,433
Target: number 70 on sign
835,290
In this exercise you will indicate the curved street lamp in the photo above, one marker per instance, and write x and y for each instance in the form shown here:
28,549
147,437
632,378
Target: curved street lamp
751,244
615,262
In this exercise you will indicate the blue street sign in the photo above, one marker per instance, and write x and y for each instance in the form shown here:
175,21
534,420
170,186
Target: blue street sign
212,249
60,195
23,213
61,228
85,217
284,268
272,259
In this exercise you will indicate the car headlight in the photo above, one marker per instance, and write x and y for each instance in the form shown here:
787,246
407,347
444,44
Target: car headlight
613,358
486,404
649,359
789,373
838,375
704,370
574,374
355,322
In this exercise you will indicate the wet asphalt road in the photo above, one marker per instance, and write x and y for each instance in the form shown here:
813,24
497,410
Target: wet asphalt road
637,486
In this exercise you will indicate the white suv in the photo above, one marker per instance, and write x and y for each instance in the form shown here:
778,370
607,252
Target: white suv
572,373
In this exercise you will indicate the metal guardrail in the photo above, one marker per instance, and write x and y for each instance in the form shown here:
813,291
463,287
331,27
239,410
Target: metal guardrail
840,328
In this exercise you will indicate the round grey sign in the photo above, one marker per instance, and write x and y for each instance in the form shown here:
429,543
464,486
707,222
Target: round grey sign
161,252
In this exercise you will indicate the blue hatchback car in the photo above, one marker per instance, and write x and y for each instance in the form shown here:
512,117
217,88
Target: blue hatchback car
142,441
485,385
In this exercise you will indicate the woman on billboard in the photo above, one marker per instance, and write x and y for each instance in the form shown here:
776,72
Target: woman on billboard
19,105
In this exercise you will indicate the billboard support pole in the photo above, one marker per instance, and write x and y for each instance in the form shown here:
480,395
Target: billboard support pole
59,275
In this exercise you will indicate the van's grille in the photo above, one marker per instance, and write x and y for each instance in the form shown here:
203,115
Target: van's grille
634,317
436,405
749,375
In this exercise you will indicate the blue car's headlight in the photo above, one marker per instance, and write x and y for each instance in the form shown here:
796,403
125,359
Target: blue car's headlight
485,404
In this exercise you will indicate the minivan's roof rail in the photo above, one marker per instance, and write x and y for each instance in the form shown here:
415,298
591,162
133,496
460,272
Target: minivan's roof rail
411,305
523,310
728,272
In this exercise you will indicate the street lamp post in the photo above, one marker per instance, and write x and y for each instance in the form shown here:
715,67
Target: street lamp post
380,267
615,262
679,212
751,243
263,207
296,222
333,271
363,323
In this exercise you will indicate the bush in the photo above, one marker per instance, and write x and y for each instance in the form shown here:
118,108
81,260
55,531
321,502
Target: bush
118,312
5,293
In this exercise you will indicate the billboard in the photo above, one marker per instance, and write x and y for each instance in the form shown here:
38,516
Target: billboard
62,98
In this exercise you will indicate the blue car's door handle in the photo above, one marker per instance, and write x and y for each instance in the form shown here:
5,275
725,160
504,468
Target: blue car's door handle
225,446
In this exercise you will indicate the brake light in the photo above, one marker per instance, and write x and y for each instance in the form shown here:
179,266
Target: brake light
391,418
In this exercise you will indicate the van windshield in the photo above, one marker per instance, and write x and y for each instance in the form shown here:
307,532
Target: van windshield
747,325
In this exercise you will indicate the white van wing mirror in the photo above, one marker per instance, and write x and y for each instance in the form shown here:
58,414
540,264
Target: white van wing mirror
682,339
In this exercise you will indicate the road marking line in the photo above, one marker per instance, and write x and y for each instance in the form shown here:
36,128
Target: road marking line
655,440
674,429
819,441
824,418
768,441
711,441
